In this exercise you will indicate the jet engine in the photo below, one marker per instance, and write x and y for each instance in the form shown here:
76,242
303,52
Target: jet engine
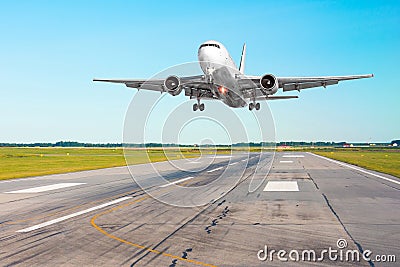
173,85
269,84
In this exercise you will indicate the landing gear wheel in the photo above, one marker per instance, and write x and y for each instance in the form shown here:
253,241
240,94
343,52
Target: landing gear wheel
195,107
257,106
201,107
251,106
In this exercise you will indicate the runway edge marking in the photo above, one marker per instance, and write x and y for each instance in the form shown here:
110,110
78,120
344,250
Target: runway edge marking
66,217
356,168
40,189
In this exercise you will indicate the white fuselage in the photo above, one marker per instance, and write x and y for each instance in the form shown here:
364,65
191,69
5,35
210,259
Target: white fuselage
219,67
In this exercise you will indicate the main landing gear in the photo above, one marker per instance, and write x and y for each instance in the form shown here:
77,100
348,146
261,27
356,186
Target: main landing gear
198,106
253,105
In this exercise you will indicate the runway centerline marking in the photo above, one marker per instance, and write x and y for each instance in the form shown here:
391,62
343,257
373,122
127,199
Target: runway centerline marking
221,157
286,161
176,182
281,186
293,156
233,163
66,217
357,169
216,169
45,188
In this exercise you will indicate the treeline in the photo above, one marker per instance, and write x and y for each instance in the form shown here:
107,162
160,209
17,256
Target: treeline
251,144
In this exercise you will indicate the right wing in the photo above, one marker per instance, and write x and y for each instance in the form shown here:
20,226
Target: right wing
155,84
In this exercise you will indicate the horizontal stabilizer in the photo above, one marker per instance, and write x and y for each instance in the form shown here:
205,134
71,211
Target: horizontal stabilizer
276,97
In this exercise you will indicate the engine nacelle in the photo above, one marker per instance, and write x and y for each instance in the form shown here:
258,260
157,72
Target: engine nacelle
269,84
173,85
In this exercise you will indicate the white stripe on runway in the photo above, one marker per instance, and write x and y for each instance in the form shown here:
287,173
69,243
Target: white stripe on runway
275,186
176,182
216,169
293,156
233,163
45,188
356,168
38,226
285,161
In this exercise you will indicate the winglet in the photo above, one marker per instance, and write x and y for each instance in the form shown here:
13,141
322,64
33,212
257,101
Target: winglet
242,59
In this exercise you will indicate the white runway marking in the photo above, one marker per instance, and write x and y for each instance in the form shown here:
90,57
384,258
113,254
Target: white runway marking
293,156
233,163
357,169
274,186
221,157
38,226
176,182
45,188
244,160
285,161
216,169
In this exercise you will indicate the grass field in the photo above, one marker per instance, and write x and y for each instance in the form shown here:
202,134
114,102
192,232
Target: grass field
20,162
386,160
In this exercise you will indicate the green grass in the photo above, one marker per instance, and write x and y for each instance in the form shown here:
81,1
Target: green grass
18,162
25,162
386,161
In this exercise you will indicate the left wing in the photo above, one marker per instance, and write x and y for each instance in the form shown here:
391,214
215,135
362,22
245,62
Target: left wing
300,83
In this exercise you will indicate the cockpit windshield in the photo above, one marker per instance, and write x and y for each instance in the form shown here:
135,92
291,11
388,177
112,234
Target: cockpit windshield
214,45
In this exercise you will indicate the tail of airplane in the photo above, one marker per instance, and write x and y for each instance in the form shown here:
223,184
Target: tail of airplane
242,59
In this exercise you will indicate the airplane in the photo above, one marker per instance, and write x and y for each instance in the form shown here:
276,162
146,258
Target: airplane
222,80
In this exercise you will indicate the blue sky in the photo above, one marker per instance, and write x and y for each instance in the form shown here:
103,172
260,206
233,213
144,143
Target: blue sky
51,50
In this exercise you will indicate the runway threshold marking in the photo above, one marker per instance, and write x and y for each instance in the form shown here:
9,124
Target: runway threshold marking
293,156
41,225
45,188
286,161
281,186
176,182
357,169
104,232
216,169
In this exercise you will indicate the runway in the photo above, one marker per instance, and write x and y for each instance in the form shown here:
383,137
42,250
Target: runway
103,218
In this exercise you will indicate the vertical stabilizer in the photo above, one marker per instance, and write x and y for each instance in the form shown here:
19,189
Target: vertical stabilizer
242,59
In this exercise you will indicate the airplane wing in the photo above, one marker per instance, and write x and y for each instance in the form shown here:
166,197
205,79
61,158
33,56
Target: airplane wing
152,84
300,83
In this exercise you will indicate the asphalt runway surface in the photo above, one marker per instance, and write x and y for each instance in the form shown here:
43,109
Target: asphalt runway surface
223,211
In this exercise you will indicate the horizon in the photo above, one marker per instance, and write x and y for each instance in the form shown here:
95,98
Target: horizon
51,51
